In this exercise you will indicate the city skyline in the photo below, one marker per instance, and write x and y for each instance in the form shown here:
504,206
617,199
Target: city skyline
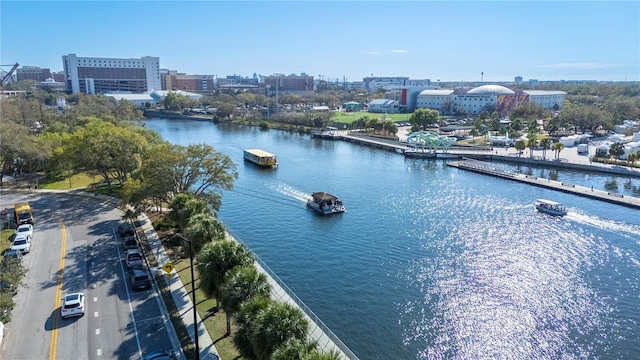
447,41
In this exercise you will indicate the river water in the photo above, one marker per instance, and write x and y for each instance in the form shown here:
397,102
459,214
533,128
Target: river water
432,262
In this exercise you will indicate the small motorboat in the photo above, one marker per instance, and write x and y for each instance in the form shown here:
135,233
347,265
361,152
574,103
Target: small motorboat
550,207
325,203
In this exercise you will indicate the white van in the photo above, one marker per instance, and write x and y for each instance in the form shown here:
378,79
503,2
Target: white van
583,149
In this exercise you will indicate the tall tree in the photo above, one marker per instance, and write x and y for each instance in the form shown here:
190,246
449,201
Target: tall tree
246,319
184,206
278,324
423,117
520,145
557,147
241,284
532,143
204,172
14,141
218,258
295,349
202,228
545,143
111,151
616,150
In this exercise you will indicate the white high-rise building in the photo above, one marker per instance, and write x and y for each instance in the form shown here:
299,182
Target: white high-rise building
104,75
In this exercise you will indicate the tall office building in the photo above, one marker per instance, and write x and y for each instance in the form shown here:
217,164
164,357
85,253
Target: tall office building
102,75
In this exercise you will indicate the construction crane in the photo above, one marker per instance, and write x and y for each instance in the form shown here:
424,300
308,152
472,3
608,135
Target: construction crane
8,74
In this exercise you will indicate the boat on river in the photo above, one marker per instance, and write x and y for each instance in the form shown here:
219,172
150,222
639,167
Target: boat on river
325,203
329,132
551,207
261,158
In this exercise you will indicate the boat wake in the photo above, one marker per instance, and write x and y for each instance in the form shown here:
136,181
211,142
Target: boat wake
290,191
626,229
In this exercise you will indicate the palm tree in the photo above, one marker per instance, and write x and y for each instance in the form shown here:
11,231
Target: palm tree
203,228
531,144
215,260
241,284
278,324
246,320
557,147
545,143
331,355
294,350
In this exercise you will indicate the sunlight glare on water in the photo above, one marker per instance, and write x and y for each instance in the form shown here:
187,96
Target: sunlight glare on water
496,291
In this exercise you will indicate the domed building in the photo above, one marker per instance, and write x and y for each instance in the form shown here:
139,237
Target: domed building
490,90
488,98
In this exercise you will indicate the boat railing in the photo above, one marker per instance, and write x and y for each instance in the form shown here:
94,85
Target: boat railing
314,318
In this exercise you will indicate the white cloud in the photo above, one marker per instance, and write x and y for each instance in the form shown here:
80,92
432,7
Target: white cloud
373,52
583,66
399,51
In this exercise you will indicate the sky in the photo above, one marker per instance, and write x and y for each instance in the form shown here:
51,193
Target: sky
346,40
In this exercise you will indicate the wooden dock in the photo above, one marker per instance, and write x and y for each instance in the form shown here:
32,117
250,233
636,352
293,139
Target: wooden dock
488,169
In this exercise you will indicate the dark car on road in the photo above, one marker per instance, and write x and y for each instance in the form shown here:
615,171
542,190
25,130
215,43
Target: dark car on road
126,229
139,279
130,243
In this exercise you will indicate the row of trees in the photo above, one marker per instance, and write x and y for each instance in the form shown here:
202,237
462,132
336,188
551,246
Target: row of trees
379,127
11,277
266,328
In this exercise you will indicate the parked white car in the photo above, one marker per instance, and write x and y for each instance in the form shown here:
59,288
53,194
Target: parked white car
25,229
21,243
133,258
72,305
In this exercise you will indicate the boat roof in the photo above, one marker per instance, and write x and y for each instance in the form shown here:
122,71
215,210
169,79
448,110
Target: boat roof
548,202
259,152
323,196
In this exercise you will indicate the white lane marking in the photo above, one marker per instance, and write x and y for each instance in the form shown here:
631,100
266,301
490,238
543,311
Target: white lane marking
95,314
97,331
99,352
95,298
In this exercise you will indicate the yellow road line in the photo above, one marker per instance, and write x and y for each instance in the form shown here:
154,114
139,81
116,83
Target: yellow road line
53,345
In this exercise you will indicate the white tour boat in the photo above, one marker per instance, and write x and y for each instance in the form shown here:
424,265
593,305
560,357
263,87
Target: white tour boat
550,207
325,203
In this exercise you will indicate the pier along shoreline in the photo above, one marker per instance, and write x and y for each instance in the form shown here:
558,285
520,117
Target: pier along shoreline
485,168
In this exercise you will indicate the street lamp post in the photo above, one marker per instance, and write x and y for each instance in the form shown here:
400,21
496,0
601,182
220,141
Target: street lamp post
193,294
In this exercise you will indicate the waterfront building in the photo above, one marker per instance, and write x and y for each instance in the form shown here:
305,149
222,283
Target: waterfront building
486,98
102,75
34,73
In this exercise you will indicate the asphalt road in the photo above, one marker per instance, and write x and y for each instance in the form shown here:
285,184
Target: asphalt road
79,236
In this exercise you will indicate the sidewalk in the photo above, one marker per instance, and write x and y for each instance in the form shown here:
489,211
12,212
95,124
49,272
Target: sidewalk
179,294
